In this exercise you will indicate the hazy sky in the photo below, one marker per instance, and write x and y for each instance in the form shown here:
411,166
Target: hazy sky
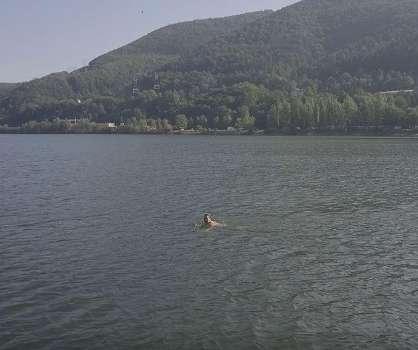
38,37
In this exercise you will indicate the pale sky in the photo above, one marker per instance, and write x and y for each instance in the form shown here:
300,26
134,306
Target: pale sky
38,37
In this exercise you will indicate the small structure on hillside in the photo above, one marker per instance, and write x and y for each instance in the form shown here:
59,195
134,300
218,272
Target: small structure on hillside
108,125
72,121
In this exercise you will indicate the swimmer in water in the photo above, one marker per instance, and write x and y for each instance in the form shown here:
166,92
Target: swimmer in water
209,223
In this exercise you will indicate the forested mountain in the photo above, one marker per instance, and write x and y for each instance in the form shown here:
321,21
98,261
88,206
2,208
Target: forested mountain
319,40
182,38
5,88
112,74
315,64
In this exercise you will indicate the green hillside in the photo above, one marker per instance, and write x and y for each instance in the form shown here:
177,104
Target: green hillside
182,38
112,75
5,88
319,40
315,64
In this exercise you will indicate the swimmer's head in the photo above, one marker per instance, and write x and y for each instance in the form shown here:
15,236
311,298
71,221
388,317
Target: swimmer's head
206,218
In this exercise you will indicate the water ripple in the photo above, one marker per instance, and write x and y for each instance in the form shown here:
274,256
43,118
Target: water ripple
97,247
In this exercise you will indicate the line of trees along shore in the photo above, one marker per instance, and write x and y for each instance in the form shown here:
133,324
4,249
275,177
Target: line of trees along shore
244,105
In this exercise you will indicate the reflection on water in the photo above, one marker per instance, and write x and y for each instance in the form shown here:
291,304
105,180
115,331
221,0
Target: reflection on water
98,247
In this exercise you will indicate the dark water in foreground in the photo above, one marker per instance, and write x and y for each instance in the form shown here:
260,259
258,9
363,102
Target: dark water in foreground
97,248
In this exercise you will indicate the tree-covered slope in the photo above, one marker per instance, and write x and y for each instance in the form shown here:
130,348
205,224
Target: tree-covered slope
182,38
237,66
112,74
5,88
318,39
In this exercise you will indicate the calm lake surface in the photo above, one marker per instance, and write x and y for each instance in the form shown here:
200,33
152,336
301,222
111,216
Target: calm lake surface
98,248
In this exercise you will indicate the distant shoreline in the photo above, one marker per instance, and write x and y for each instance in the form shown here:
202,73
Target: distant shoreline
357,133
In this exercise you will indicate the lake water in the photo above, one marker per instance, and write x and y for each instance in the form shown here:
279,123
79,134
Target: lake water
98,248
